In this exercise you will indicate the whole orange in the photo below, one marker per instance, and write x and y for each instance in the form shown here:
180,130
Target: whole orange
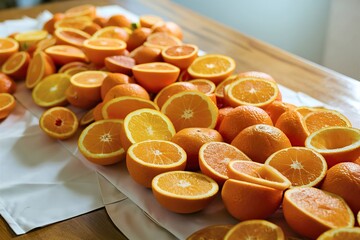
111,80
7,84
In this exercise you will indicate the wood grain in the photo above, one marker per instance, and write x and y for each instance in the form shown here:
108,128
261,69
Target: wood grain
298,74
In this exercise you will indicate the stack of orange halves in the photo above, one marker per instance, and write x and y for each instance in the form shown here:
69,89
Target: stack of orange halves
188,126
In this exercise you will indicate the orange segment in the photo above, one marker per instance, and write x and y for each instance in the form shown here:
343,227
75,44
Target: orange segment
71,36
62,54
184,192
180,55
210,232
50,92
7,104
30,38
41,65
255,229
308,206
8,46
59,122
16,66
100,142
341,234
146,159
112,32
214,158
213,67
191,109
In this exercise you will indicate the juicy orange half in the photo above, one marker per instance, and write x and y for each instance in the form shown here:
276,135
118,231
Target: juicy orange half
62,54
8,46
180,55
112,32
71,36
41,65
30,38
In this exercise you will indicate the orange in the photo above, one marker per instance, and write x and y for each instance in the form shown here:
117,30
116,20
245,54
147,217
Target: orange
310,211
184,76
325,118
50,91
97,111
41,65
144,54
210,232
341,234
184,192
101,21
120,64
276,108
146,124
214,158
292,123
62,54
245,200
87,118
97,49
100,142
7,104
255,229
191,140
112,32
257,173
119,20
16,66
161,40
251,91
30,38
129,89
220,88
112,80
259,141
343,179
156,75
303,110
180,55
204,85
91,29
148,20
138,37
168,27
191,109
214,67
240,118
71,65
49,25
8,46
59,122
81,10
78,23
336,144
71,36
223,111
7,84
172,89
44,44
74,70
120,107
146,159
302,166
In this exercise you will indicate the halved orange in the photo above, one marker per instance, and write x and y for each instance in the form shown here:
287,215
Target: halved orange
211,232
16,66
180,55
144,54
8,46
203,85
183,191
59,122
71,36
79,22
148,20
146,159
97,49
169,27
351,233
100,142
30,38
128,89
62,54
161,40
41,65
81,10
191,109
220,88
112,80
120,64
112,32
74,70
44,44
71,65
120,107
156,75
214,67
7,104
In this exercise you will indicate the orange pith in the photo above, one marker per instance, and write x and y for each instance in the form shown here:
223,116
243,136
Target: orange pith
40,66
7,104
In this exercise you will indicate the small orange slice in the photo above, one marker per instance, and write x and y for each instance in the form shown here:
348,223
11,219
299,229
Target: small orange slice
180,55
41,65
63,54
30,38
8,46
71,36
7,104
162,40
183,191
16,66
112,32
59,122
210,232
146,159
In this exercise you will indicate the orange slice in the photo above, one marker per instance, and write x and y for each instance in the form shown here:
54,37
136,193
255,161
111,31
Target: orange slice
50,92
214,158
120,107
120,64
59,122
41,65
251,91
156,75
161,40
204,85
97,49
184,192
146,159
257,173
71,36
308,206
79,23
214,67
180,55
7,84
100,142
16,66
302,166
82,10
191,109
336,144
30,38
8,46
146,124
210,232
7,104
112,32
255,229
63,54
341,234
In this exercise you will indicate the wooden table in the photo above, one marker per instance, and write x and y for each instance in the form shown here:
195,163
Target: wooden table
291,71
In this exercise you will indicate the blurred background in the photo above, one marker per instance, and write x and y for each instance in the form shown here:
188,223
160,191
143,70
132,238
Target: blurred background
324,31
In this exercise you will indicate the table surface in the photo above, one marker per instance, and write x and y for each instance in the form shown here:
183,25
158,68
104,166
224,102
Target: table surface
291,71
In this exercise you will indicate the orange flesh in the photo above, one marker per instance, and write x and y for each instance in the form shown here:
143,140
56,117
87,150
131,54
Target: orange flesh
15,62
120,109
5,44
254,231
59,121
179,50
158,153
123,61
247,91
334,140
105,43
211,65
92,79
73,37
323,119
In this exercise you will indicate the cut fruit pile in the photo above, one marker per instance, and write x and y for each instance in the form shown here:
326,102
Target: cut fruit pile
189,127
